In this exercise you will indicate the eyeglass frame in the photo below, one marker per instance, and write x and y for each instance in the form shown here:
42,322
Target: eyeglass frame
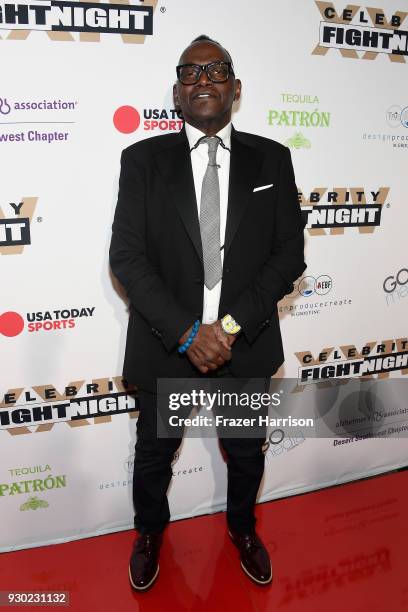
205,67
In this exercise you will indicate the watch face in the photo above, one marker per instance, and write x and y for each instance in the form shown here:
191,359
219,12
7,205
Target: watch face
229,325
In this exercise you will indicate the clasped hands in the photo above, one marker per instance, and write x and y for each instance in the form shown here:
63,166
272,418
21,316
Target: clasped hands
211,347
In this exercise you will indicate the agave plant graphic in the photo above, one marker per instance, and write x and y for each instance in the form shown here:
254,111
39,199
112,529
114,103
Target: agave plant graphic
298,141
33,503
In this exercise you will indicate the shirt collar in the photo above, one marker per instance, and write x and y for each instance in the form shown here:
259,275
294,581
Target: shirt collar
193,134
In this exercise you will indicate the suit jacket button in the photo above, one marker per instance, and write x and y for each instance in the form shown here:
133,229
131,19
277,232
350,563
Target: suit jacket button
198,280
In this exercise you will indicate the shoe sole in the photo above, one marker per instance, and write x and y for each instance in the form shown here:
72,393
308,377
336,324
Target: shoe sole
147,585
255,579
246,571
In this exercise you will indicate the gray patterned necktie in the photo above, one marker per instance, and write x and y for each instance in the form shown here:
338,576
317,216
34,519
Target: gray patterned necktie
210,217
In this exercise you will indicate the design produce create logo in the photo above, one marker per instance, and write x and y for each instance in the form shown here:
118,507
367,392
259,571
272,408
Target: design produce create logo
126,119
361,29
375,358
42,406
15,231
59,18
316,287
342,207
12,323
308,285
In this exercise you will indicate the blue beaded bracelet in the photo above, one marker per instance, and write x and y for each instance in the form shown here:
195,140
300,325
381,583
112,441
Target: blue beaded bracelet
193,333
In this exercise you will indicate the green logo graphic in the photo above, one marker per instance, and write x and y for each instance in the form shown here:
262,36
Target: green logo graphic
33,503
298,141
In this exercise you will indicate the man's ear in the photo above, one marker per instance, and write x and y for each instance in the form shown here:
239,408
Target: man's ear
175,97
238,88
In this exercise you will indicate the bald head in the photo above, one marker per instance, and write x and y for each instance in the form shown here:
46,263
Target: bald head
204,39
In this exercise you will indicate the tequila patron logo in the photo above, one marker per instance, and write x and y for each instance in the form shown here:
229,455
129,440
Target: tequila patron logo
300,111
360,32
60,18
33,479
331,211
42,406
375,358
15,230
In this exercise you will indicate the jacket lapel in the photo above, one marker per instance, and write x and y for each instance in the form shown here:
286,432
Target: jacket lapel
174,164
245,164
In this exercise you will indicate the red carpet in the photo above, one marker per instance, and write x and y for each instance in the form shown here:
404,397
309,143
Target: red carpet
343,548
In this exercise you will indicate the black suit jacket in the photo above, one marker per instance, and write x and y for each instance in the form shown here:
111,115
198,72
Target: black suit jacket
156,253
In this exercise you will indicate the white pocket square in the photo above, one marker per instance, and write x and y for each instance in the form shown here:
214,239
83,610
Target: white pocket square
263,187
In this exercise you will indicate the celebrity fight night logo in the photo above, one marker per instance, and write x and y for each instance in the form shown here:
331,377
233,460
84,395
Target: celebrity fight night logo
60,18
360,32
15,222
78,401
331,211
346,361
13,323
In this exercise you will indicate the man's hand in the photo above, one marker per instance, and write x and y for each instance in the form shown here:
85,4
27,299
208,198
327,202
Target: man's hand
226,339
206,352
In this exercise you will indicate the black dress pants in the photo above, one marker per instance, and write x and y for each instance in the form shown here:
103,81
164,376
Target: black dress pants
152,472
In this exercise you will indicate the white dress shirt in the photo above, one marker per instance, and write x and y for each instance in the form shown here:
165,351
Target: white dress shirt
199,162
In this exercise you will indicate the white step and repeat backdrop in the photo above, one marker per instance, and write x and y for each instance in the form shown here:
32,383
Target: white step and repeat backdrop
81,82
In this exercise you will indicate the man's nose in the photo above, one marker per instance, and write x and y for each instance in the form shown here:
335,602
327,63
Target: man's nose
204,80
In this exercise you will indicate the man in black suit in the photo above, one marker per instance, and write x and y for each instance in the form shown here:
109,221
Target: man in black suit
207,238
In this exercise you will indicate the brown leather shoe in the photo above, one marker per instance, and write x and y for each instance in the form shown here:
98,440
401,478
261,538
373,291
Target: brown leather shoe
144,561
254,557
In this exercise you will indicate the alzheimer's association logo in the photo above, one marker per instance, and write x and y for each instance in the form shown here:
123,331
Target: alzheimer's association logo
5,107
11,324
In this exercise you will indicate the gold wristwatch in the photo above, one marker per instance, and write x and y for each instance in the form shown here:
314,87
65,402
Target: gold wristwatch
229,325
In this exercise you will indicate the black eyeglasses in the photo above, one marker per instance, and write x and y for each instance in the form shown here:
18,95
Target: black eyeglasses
217,72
